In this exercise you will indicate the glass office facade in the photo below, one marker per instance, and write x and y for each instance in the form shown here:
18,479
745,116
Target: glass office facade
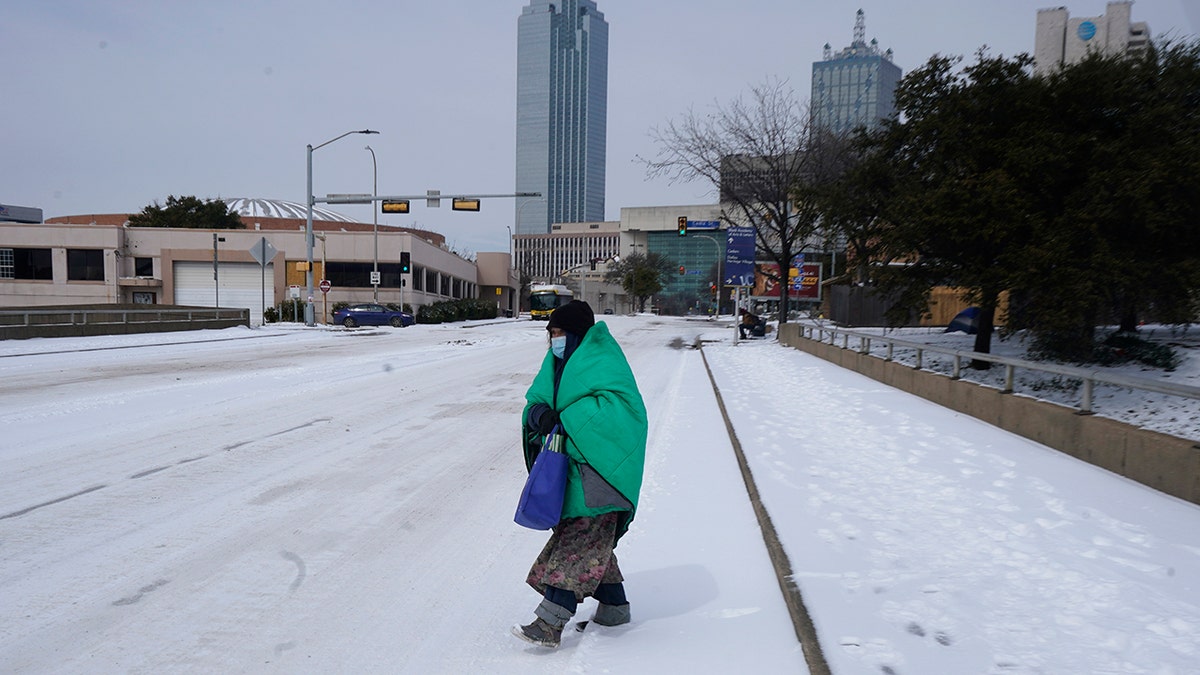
562,99
700,254
852,92
856,86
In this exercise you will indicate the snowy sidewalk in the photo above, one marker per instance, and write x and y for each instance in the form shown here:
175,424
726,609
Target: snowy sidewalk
700,581
924,541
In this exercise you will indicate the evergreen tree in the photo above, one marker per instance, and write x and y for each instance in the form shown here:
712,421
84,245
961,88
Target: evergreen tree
958,208
188,212
640,275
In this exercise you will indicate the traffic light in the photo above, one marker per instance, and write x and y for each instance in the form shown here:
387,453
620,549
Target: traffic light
683,226
682,269
394,206
405,259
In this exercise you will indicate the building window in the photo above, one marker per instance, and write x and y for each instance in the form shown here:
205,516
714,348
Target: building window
431,281
26,263
418,278
358,274
85,264
143,267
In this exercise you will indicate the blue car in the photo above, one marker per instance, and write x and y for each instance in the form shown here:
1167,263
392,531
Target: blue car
372,315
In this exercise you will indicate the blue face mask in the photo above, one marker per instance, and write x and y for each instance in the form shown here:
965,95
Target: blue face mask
558,345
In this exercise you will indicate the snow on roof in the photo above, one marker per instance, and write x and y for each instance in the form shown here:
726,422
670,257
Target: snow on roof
277,208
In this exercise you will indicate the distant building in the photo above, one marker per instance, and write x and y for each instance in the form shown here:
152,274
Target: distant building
562,100
96,259
565,255
1061,40
856,86
543,257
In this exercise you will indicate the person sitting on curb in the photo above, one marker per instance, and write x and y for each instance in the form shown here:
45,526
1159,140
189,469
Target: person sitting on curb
749,321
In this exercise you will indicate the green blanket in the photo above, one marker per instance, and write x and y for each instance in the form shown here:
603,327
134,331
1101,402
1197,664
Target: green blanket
602,413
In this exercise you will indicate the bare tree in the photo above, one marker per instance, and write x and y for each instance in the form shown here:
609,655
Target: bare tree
762,156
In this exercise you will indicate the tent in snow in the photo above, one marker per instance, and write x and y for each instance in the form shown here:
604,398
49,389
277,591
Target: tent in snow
967,321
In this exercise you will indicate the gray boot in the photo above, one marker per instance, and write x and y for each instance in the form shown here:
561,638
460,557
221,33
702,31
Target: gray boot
612,615
546,629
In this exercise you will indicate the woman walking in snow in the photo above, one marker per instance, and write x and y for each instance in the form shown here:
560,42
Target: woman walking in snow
585,386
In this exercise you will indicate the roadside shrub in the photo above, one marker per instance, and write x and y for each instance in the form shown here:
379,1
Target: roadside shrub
1121,347
456,310
284,311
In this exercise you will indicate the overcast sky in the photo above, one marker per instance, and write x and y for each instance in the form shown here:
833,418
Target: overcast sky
107,106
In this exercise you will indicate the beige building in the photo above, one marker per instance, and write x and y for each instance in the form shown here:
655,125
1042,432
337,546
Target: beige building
565,255
98,259
1062,39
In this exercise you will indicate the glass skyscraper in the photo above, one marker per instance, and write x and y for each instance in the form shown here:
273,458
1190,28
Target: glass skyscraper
856,86
562,101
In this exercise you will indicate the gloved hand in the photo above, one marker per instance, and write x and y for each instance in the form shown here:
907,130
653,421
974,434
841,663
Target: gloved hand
542,418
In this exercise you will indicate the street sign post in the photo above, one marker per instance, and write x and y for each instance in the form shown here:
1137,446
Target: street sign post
263,252
325,286
739,256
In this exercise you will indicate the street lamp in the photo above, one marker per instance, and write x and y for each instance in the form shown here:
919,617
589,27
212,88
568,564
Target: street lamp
309,320
375,214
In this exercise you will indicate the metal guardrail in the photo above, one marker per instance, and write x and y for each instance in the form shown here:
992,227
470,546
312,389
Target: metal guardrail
95,316
1089,378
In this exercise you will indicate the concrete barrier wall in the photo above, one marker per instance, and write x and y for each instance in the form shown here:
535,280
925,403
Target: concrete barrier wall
81,321
1163,462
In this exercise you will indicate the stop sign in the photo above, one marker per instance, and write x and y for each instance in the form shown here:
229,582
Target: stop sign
325,285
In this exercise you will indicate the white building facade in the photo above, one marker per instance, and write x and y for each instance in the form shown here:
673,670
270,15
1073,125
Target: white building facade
98,259
1061,39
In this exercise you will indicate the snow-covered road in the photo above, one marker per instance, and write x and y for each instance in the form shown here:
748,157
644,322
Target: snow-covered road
341,501
290,500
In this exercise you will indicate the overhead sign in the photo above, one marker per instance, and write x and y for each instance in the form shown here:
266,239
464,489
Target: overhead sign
20,214
739,256
704,224
354,198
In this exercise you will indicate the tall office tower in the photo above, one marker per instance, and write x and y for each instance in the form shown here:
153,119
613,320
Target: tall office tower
1061,40
856,86
562,101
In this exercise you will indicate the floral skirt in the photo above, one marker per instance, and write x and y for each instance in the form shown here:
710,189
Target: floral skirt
579,556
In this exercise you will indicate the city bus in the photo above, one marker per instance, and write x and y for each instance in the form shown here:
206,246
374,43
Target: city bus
545,298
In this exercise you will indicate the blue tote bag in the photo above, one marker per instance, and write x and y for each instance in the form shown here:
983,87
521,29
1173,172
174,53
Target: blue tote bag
541,502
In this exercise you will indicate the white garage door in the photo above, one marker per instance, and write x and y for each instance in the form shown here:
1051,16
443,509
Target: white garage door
241,286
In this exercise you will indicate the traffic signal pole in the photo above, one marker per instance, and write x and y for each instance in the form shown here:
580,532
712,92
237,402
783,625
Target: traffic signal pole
400,204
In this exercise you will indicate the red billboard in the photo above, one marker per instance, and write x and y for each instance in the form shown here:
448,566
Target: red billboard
805,282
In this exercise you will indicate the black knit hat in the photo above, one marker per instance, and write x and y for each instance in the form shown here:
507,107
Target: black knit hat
574,317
